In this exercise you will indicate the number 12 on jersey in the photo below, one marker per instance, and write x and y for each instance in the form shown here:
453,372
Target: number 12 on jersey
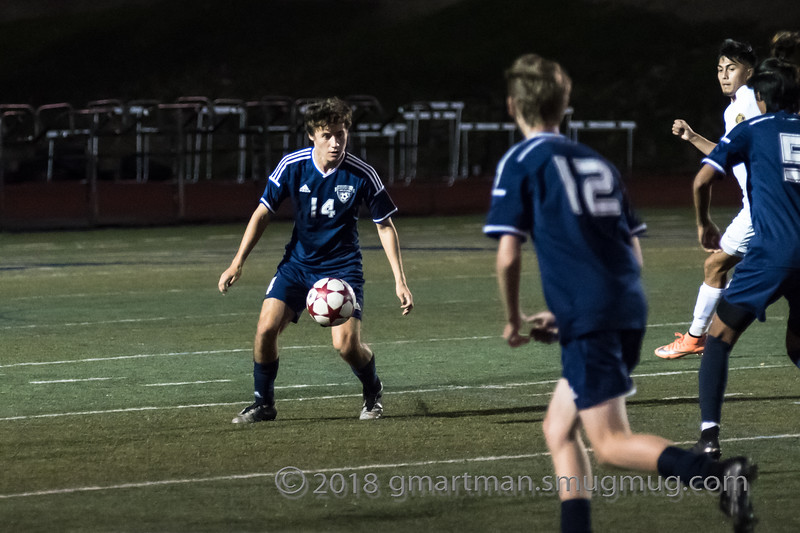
596,184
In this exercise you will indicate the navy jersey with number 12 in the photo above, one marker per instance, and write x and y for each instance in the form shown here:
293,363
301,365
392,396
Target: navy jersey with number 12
326,208
570,201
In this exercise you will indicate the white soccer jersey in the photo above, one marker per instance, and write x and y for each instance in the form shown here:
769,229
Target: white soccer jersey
742,107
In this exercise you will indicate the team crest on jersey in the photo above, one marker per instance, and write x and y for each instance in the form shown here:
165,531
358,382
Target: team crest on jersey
344,192
740,118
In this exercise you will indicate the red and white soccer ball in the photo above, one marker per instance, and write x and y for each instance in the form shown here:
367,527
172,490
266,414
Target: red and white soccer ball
331,301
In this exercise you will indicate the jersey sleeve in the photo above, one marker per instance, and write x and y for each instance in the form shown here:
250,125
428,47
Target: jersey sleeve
510,210
376,196
277,190
729,151
381,205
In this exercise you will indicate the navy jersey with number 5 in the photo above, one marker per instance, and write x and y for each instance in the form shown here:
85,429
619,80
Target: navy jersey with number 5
769,146
570,201
326,208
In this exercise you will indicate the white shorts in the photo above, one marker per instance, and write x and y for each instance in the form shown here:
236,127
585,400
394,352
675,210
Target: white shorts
736,239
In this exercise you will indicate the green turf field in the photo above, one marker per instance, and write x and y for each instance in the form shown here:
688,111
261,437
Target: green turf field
121,367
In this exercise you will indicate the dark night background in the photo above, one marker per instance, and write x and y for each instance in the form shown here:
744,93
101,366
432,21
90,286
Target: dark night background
648,64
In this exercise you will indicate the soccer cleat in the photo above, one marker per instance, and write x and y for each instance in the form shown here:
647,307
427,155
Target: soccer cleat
255,413
683,345
734,499
372,408
708,443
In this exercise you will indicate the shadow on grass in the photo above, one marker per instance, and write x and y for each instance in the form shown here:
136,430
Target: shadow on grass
424,411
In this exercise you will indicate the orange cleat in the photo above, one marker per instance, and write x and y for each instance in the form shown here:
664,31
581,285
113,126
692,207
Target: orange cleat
685,344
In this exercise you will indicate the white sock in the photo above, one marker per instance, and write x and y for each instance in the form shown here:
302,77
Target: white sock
707,300
706,425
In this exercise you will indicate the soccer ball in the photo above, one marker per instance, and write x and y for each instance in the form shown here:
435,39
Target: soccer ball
331,302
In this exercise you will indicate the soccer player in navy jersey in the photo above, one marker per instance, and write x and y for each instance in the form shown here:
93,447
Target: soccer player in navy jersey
326,186
570,201
769,146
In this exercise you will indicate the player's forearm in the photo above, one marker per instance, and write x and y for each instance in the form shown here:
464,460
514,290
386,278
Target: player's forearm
509,268
391,247
255,228
637,250
702,144
701,189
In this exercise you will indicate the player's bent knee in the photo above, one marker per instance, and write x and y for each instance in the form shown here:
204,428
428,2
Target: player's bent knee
267,329
345,343
557,432
715,270
607,450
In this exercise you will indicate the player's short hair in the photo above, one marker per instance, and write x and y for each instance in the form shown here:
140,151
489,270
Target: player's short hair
327,112
738,51
785,45
540,89
776,83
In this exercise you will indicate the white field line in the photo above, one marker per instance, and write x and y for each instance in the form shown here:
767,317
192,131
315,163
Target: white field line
232,350
201,317
164,318
346,468
93,294
303,399
341,396
672,324
76,380
187,383
124,321
295,347
122,357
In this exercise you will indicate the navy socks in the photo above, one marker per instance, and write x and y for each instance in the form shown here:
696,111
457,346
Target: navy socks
576,516
368,377
686,465
713,378
264,382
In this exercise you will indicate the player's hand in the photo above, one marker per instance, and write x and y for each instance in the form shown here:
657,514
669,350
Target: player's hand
709,237
544,327
512,336
228,278
681,128
406,299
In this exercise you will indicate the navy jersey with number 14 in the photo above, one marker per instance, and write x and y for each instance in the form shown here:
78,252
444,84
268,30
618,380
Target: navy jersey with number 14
326,208
570,201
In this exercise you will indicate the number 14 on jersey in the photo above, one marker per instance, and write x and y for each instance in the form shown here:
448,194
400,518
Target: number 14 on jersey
327,209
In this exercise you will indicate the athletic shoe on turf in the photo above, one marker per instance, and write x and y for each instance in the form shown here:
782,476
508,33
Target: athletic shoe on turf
683,345
708,443
372,408
734,499
255,413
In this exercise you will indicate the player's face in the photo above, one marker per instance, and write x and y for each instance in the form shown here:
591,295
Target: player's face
731,75
329,144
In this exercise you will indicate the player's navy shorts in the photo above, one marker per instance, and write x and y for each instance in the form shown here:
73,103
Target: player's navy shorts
292,283
598,365
753,289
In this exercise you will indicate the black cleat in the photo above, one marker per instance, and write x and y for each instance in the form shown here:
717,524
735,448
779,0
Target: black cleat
734,500
708,443
256,413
